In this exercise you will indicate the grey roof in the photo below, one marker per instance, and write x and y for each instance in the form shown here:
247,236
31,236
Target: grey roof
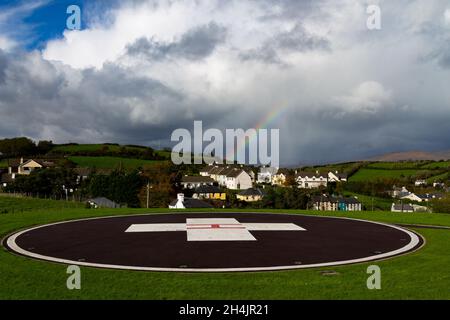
234,173
252,192
104,202
196,179
309,174
208,189
192,203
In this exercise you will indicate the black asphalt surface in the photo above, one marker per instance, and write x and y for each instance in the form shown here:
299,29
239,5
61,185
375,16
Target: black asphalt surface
104,241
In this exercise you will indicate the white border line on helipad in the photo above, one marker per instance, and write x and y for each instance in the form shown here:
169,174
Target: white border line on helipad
12,245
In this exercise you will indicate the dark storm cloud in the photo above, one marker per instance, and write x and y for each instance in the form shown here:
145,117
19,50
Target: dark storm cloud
2,66
295,40
40,100
198,43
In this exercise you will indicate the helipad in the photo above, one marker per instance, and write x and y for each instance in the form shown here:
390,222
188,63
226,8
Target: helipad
213,242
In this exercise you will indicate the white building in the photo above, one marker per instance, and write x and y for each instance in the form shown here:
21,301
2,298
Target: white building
230,177
238,180
266,174
419,183
308,180
336,176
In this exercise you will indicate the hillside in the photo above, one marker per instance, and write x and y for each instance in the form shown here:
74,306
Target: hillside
412,156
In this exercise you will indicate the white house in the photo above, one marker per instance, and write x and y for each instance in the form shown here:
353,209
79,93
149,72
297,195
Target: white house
336,176
266,174
230,177
421,182
412,197
308,180
279,179
402,208
238,180
192,182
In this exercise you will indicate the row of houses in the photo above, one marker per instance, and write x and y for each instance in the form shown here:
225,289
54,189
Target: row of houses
404,194
305,180
230,177
331,203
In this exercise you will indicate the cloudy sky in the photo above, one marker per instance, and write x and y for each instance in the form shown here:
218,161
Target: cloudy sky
139,69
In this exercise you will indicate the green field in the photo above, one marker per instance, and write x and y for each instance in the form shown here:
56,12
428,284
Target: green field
424,274
439,177
397,165
365,174
437,165
110,162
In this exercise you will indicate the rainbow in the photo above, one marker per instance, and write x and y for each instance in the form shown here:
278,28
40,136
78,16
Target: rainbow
270,117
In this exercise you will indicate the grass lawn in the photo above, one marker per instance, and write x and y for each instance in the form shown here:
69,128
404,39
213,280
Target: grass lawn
18,205
366,174
110,162
424,274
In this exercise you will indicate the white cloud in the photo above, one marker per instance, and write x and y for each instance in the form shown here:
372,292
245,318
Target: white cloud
368,96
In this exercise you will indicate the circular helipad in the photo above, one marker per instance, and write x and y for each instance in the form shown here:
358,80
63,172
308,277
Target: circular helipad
213,242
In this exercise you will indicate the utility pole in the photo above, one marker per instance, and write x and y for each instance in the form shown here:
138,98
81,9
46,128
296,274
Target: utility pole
148,194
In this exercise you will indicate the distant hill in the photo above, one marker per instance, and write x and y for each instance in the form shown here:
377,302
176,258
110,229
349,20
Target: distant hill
412,156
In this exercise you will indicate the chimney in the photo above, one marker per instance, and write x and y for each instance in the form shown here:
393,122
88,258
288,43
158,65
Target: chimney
21,160
180,197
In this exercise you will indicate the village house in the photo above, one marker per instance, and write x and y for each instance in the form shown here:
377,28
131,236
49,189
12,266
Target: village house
279,179
420,183
336,177
192,182
398,192
422,197
328,203
308,180
266,174
402,207
231,177
238,180
251,195
209,192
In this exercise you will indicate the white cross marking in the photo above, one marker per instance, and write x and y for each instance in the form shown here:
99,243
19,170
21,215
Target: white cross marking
218,229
